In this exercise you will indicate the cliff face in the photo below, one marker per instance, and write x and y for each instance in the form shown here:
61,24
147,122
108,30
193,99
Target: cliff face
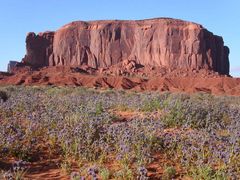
161,42
11,66
39,49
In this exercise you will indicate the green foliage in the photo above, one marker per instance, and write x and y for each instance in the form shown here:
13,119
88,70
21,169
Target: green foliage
152,105
16,174
169,173
3,95
19,174
99,108
207,173
66,165
122,107
104,173
175,116
57,91
125,173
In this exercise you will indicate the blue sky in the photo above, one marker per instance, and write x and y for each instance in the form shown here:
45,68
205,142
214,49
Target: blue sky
18,17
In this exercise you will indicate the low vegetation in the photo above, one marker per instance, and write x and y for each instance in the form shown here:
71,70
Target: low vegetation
176,136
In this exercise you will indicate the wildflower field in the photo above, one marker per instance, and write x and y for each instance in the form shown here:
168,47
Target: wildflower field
80,133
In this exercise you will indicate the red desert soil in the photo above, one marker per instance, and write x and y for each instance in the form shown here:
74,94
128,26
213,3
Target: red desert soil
48,169
67,76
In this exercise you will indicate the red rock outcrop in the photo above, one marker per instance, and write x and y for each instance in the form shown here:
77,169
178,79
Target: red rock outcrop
162,42
69,76
39,49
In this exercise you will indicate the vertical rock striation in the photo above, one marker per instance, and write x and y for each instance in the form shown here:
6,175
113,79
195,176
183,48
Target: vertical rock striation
39,49
161,42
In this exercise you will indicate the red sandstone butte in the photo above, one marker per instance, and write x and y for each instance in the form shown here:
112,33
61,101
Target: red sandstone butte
145,55
161,42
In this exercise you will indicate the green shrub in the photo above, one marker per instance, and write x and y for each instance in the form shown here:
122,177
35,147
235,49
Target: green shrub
105,174
125,173
169,173
207,173
99,108
3,95
175,116
150,106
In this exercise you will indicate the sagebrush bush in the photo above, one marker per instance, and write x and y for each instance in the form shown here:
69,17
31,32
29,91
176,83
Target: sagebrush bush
3,95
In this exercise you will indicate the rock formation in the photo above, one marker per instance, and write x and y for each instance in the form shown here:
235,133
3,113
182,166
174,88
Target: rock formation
11,66
39,49
73,76
162,42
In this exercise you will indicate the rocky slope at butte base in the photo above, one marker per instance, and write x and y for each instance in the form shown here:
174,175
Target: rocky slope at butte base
202,81
160,54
